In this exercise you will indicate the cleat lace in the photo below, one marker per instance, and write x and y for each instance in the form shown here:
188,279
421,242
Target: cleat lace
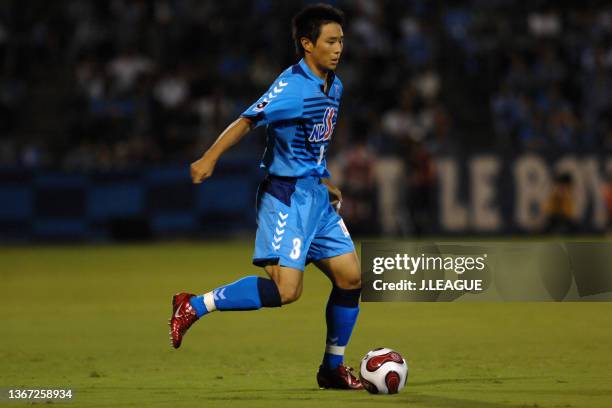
348,369
351,377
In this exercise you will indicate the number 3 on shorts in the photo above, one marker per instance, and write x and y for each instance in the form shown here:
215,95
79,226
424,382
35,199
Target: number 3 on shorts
295,252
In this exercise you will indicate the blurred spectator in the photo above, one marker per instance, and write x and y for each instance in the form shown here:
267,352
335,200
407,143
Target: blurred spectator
427,83
126,67
560,208
421,182
357,166
416,44
172,90
544,23
410,120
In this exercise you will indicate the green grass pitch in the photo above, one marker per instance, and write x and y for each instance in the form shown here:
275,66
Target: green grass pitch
94,318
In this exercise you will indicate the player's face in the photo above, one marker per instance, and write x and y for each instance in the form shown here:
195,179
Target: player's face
326,52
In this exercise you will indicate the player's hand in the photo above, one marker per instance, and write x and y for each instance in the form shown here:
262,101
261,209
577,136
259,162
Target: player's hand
335,195
202,169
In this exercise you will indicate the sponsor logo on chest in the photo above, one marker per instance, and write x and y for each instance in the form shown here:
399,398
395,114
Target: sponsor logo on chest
323,131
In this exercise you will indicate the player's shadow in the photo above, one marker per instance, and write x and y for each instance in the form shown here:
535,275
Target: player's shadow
488,380
408,396
359,398
434,401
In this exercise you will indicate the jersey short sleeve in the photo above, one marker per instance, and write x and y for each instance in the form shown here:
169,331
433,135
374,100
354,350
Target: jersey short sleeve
283,101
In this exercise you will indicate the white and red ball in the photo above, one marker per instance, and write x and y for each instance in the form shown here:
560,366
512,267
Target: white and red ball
383,371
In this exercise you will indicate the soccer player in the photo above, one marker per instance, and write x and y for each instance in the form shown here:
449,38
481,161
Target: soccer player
297,219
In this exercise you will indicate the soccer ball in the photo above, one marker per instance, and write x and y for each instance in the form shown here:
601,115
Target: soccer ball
383,371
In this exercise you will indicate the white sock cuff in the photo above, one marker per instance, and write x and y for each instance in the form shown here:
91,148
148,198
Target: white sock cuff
336,350
209,302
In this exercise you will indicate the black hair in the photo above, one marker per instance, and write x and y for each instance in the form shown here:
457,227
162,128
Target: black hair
307,23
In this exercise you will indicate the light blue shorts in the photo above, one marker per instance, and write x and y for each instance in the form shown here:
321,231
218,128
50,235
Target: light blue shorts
296,224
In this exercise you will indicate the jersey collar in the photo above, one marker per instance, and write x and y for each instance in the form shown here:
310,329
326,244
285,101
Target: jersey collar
330,76
309,72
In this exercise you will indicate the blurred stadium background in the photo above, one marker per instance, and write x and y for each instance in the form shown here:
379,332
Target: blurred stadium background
461,117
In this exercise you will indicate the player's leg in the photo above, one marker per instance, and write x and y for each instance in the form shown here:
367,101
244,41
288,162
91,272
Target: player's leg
342,306
253,292
340,316
343,271
248,293
278,249
333,252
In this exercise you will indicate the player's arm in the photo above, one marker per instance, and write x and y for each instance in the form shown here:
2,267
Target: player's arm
203,168
335,196
281,102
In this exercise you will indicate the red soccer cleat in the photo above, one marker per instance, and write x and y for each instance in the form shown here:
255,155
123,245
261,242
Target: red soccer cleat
183,316
341,378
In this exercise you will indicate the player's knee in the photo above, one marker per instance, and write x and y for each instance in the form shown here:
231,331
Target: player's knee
288,282
274,272
349,282
289,293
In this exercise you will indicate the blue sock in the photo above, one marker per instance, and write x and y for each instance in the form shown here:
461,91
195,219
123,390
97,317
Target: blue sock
340,315
249,293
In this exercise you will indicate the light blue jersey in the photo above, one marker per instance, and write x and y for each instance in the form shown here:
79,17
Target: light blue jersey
300,119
